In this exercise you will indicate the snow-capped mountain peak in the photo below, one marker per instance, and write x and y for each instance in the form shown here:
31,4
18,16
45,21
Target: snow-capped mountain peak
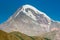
29,20
36,10
29,13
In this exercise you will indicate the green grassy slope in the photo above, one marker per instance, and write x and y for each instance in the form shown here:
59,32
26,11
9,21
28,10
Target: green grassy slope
19,36
25,37
7,36
3,35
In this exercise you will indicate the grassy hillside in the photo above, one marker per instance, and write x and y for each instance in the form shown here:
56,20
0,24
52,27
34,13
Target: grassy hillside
7,36
21,36
25,37
18,36
3,35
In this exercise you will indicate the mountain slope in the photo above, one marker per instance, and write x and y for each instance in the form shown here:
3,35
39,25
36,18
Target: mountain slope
17,36
30,21
27,18
6,36
25,37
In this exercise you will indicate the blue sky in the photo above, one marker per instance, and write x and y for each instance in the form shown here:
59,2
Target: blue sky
50,7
